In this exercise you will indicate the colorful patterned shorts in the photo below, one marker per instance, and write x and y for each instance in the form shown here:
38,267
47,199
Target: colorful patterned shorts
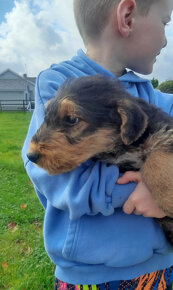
158,280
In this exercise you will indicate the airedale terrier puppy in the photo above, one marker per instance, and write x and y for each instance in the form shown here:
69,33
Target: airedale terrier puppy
94,117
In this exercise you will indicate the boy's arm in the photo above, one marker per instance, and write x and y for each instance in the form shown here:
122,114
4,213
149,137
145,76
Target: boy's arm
90,188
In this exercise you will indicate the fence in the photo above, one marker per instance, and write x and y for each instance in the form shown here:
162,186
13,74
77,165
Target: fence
16,105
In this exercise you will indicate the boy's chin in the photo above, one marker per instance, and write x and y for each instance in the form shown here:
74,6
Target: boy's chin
142,68
145,70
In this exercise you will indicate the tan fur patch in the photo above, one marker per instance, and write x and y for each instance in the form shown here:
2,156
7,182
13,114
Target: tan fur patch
66,108
57,155
124,122
157,173
33,148
126,109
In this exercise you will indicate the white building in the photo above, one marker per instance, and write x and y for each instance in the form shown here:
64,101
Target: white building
16,92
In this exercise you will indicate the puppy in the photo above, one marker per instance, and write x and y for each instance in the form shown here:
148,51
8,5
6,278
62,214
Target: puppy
93,117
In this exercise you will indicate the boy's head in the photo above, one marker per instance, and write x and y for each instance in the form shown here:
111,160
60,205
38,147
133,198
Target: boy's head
92,15
135,29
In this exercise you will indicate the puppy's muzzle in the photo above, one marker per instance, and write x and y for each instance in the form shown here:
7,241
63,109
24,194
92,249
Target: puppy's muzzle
34,157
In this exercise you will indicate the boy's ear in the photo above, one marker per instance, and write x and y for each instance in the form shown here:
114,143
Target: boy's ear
125,16
134,121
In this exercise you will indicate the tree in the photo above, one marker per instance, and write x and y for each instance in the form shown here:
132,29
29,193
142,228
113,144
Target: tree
155,83
166,87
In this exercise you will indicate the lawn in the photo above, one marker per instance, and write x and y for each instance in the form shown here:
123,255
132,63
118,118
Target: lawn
24,264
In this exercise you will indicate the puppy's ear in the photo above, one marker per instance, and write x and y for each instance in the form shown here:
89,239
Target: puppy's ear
134,121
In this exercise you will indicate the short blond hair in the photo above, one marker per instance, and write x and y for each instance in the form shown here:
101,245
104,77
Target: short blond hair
92,15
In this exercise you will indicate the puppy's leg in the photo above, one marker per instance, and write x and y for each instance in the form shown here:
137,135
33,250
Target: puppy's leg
157,173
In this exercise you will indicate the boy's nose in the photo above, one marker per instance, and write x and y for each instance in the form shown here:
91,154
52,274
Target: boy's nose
33,157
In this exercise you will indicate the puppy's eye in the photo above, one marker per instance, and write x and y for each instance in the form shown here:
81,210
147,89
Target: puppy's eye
71,120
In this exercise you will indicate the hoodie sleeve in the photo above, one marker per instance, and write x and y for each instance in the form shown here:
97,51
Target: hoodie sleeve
89,189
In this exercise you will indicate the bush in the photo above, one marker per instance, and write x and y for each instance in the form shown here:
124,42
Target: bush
166,87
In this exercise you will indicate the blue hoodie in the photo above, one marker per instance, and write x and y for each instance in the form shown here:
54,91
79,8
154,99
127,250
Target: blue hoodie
86,234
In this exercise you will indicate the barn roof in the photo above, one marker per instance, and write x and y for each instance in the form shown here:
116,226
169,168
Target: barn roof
11,81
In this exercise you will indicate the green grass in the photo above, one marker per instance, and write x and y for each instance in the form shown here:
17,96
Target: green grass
23,261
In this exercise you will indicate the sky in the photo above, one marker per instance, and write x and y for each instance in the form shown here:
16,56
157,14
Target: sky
36,33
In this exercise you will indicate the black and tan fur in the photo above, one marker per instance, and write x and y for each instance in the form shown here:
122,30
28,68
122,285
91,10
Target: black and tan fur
93,117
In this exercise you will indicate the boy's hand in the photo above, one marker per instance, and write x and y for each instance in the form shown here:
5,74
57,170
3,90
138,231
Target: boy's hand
140,202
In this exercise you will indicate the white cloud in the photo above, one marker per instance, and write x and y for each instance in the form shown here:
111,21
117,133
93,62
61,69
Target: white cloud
36,36
37,33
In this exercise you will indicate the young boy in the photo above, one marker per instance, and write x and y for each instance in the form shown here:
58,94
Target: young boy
97,231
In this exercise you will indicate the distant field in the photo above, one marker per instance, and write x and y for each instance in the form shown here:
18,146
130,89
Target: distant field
24,264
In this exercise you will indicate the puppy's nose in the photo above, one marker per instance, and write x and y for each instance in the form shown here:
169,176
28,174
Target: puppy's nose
33,157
